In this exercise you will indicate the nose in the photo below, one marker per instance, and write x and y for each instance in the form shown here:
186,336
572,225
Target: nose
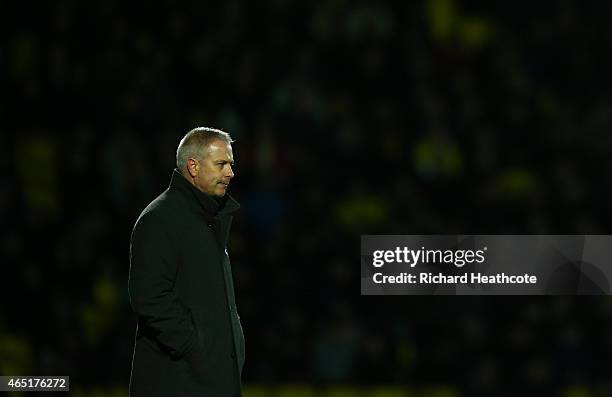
230,174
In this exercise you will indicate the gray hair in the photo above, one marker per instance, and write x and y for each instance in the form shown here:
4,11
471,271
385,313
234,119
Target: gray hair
195,141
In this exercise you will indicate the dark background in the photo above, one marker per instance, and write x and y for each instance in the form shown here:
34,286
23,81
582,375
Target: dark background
350,118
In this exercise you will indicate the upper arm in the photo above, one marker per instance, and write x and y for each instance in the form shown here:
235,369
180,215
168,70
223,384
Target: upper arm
153,258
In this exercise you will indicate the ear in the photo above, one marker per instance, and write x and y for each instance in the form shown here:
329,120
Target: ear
193,167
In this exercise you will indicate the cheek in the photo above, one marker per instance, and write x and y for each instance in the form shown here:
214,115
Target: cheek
204,181
211,180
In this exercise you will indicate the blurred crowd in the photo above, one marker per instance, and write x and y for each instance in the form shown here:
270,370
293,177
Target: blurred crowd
350,118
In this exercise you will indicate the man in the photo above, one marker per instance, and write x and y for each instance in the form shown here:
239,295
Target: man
189,340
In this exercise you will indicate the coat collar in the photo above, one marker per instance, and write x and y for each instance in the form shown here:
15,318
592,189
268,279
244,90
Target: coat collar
226,205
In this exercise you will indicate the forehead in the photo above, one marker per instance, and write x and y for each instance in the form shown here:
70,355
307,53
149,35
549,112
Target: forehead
219,149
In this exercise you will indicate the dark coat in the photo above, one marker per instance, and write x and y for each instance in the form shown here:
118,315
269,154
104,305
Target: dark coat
189,340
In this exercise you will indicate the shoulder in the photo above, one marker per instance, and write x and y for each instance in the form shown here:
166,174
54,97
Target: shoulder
161,211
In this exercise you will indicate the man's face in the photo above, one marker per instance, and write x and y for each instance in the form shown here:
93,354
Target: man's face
215,168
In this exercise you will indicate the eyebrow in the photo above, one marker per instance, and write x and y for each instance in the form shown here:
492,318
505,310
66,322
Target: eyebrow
224,162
